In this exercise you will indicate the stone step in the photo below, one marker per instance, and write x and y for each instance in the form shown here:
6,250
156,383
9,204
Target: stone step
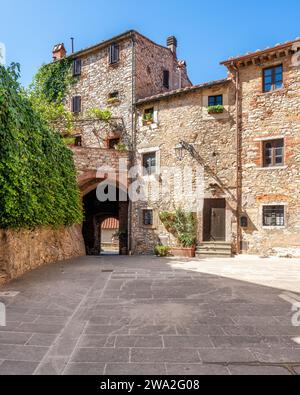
214,254
214,250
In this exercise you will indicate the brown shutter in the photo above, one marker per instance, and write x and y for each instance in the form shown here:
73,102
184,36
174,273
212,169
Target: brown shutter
76,104
166,79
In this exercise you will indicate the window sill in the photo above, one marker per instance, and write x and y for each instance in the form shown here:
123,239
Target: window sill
149,227
273,227
150,177
271,168
281,90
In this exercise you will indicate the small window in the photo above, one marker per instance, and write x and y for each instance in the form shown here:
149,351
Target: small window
166,79
77,63
273,153
76,104
215,100
114,95
273,216
273,78
148,217
148,116
78,141
149,163
112,143
114,53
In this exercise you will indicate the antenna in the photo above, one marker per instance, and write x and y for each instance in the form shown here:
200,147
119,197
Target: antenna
72,42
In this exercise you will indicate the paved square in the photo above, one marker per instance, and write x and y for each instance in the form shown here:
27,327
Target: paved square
146,315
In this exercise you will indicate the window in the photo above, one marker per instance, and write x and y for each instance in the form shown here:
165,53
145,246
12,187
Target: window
113,142
166,79
273,78
78,141
149,163
77,67
273,153
76,104
147,217
114,95
273,216
114,53
148,115
215,100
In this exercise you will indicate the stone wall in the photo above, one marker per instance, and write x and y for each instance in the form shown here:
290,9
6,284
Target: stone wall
139,73
150,61
264,116
185,117
97,81
25,250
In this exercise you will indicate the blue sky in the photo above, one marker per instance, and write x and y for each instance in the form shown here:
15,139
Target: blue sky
207,31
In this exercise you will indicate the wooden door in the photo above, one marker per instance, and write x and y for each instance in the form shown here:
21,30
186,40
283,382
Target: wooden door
218,224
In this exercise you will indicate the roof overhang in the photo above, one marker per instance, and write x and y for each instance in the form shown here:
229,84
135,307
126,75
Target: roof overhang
178,92
260,56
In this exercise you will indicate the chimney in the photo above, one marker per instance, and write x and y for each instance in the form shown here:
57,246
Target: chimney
59,52
172,44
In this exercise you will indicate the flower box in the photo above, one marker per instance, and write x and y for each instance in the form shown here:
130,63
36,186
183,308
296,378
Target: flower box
215,109
183,252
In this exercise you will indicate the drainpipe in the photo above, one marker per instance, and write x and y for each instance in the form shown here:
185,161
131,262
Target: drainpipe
133,132
238,158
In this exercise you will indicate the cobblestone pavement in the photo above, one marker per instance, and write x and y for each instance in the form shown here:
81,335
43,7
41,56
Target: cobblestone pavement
145,315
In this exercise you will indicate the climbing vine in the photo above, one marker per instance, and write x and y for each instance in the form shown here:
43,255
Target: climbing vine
37,174
48,91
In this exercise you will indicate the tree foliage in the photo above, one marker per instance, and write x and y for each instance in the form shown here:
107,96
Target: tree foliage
37,174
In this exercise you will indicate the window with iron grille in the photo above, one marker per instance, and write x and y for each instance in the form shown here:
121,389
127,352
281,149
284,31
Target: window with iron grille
76,104
77,63
273,78
166,79
273,153
114,53
273,216
147,217
149,163
215,100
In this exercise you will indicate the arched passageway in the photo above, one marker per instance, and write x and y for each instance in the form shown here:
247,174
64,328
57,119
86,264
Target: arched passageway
96,213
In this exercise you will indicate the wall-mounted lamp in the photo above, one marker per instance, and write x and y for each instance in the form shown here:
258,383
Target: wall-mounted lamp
179,152
184,146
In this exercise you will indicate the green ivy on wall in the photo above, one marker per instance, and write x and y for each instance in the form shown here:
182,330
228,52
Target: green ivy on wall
48,90
37,174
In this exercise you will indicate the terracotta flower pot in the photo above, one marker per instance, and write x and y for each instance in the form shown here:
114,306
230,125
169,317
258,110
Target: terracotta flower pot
183,252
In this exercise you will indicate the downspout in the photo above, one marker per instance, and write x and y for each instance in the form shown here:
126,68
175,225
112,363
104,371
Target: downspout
133,132
238,159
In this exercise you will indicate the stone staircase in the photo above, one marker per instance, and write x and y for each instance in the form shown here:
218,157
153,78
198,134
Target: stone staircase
214,249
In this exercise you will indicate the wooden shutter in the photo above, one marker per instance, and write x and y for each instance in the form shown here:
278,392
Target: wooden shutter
166,79
77,67
76,104
114,53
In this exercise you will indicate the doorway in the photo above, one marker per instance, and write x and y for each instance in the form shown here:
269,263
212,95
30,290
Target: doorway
214,220
110,244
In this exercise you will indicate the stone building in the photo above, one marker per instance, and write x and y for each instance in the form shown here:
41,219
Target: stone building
237,139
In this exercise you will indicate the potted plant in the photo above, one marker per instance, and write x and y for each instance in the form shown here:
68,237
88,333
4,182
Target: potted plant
183,226
69,140
162,251
113,100
121,147
147,119
215,109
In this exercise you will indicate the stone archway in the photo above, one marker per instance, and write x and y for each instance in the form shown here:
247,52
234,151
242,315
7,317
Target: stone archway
95,213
